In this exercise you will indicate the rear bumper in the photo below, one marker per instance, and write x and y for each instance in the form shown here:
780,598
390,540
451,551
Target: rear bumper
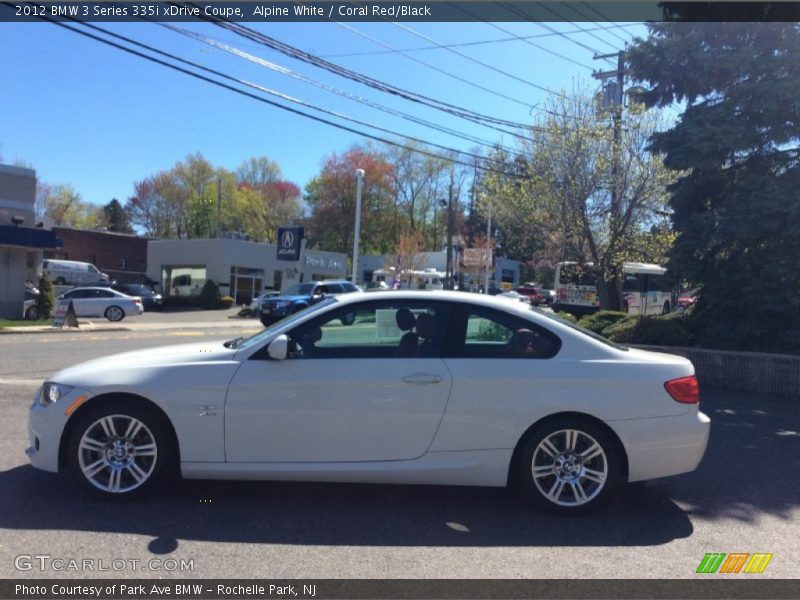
664,446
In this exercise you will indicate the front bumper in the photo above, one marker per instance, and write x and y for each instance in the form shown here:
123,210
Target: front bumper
45,428
664,446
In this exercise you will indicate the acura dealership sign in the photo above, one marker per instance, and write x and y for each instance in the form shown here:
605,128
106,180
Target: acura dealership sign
289,243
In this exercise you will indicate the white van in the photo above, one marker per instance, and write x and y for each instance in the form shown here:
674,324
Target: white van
72,272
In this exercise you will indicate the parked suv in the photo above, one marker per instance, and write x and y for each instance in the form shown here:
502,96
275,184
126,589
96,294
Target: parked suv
300,296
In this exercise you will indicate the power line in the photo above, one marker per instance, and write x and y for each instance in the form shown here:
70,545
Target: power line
527,16
580,14
522,39
606,19
270,102
433,67
474,60
303,56
343,93
515,38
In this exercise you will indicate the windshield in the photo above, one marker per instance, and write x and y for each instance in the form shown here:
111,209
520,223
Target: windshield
269,331
571,325
300,289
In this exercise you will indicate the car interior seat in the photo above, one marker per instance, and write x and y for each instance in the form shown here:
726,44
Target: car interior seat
406,321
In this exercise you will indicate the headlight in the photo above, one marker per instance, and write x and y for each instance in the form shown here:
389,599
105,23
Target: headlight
52,392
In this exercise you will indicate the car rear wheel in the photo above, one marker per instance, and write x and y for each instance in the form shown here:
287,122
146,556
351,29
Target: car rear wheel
114,313
567,466
120,451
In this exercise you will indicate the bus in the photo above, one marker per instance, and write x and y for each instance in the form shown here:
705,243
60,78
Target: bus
644,290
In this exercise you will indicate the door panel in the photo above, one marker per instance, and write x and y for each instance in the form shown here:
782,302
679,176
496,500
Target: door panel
361,383
331,410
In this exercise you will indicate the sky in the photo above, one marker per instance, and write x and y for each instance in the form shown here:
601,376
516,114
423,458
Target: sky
89,115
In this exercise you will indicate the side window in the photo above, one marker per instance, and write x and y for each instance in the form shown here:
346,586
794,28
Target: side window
631,284
93,269
334,288
105,294
77,294
493,334
376,330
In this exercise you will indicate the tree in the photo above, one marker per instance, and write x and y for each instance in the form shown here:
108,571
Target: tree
736,148
331,195
557,191
65,207
408,256
45,301
116,219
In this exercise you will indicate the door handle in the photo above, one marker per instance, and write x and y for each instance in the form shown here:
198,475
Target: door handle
422,378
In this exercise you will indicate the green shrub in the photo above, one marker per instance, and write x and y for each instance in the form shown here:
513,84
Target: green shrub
666,330
489,331
601,320
209,296
567,316
46,299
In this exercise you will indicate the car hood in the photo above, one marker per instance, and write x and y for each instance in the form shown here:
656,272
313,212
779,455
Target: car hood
275,299
119,367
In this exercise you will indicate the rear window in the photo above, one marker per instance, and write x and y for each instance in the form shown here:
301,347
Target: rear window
577,275
572,325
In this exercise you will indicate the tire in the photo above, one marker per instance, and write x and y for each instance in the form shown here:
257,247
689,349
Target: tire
667,309
114,314
567,482
32,313
348,319
102,451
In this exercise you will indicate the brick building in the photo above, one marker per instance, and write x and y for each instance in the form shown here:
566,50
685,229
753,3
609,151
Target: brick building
122,256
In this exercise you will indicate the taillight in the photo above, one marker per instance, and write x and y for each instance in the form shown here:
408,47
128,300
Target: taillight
684,389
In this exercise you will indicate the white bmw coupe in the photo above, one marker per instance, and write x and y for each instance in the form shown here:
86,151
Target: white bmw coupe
443,388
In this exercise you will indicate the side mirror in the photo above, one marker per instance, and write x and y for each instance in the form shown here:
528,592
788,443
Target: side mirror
278,348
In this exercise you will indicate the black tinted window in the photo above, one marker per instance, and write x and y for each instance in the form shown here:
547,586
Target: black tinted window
487,333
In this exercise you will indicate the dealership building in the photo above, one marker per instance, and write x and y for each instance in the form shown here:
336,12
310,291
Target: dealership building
242,269
21,240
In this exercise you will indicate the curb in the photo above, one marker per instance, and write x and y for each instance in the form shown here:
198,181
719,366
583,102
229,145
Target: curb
24,330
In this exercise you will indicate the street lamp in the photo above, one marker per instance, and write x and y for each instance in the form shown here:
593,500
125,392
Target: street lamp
359,184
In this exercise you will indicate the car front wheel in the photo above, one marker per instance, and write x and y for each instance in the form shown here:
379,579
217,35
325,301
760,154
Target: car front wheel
567,467
114,313
119,451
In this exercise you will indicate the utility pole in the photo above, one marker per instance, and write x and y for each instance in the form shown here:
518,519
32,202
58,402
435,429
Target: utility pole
615,93
219,202
487,254
449,268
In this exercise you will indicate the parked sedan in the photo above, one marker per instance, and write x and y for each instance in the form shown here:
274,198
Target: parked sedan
428,387
103,302
151,300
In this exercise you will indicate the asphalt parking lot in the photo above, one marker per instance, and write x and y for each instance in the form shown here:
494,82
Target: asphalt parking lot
743,498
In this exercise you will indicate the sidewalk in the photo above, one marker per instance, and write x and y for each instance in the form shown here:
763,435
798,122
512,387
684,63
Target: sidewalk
135,324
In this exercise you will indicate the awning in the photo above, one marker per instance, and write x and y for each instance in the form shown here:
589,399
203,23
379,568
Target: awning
28,237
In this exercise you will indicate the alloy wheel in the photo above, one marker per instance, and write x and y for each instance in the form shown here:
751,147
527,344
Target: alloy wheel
117,453
569,468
